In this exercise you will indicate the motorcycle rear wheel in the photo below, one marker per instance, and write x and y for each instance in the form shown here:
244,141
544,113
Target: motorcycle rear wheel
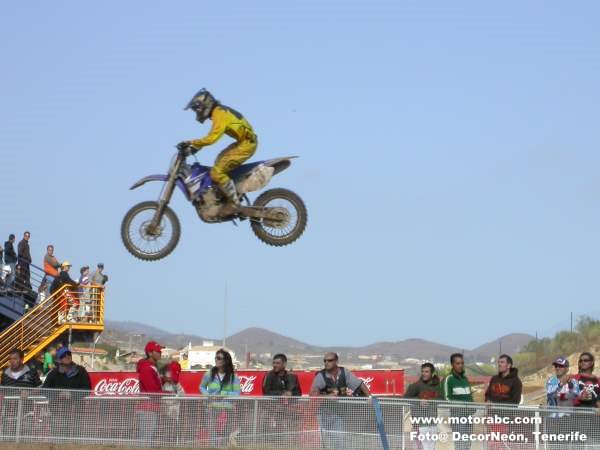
289,230
144,245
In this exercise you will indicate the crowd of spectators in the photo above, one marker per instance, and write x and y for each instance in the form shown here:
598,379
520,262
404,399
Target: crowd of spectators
61,373
16,267
565,392
504,388
16,278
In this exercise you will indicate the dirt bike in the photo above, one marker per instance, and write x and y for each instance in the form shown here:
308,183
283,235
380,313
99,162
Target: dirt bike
151,230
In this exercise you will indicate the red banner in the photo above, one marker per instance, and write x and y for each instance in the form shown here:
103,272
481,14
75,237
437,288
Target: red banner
379,382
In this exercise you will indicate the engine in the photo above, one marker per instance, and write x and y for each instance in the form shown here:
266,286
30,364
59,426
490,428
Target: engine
209,206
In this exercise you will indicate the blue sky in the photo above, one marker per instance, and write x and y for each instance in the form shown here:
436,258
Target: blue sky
449,159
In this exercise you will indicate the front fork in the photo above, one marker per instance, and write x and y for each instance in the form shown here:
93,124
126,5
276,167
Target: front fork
165,198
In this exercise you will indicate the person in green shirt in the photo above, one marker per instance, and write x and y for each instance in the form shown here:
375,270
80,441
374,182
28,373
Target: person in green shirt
456,388
49,359
218,383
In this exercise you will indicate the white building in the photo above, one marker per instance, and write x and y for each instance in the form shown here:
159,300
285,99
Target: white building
203,356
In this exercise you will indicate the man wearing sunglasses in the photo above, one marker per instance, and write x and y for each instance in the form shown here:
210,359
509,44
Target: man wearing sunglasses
561,391
589,394
589,389
335,381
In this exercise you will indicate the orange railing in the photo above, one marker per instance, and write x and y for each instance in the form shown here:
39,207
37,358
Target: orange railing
79,308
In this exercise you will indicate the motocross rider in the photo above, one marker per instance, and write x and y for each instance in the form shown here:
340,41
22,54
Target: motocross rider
227,121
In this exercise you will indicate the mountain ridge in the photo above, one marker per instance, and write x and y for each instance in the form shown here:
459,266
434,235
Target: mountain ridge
258,340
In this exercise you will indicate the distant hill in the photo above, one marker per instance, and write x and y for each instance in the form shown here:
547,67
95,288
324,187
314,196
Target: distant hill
261,341
412,348
137,334
509,344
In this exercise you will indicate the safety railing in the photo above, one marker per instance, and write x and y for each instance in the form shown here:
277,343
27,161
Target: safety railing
79,308
59,416
29,277
25,281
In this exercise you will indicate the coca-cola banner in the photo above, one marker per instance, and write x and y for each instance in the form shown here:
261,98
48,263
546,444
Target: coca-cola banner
379,382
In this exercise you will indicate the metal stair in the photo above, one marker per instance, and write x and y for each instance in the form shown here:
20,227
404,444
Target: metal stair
69,310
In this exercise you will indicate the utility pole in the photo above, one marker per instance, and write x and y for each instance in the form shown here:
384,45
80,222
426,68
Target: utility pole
225,318
94,349
571,322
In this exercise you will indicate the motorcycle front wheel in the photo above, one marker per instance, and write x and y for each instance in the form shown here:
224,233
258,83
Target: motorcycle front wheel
292,222
147,244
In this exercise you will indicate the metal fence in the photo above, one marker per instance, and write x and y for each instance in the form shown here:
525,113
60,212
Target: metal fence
38,415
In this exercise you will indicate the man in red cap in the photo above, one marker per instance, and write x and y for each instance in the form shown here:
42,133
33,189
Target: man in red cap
150,383
147,370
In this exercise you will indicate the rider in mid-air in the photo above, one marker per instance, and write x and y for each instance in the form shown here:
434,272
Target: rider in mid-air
227,121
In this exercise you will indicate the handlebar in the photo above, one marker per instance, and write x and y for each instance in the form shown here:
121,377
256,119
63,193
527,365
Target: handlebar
186,151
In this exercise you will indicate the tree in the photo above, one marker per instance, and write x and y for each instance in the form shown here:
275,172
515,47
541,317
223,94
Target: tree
589,330
565,343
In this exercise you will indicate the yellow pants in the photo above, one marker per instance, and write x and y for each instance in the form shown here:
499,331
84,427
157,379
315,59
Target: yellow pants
230,158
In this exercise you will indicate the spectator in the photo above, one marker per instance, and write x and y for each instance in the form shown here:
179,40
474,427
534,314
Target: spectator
24,259
175,369
49,359
588,397
85,295
22,279
37,364
98,277
5,276
425,389
281,416
589,389
334,381
456,388
170,407
69,300
561,391
84,276
150,383
63,279
506,387
51,264
185,362
42,291
10,258
220,380
170,381
18,374
67,374
68,384
279,381
1,256
148,371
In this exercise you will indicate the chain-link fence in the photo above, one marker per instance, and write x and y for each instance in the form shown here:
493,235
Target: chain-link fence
60,416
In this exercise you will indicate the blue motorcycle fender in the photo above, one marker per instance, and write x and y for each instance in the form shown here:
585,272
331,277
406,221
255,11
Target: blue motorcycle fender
142,181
